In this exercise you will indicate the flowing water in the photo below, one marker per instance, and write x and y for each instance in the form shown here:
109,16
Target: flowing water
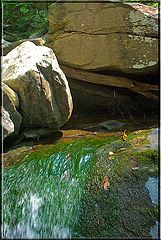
152,186
43,189
42,193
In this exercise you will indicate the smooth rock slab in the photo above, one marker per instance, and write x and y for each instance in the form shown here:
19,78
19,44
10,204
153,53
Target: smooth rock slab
105,36
111,125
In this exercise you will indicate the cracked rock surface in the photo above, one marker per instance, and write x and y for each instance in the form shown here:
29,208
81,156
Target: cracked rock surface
34,74
11,118
105,36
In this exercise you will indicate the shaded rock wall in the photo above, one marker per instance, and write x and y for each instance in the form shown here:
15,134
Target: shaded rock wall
11,118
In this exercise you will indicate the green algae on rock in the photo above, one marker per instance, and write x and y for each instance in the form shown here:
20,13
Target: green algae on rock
53,176
65,180
126,209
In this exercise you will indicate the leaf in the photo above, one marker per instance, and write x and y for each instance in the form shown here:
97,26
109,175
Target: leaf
124,136
105,183
24,9
139,139
111,157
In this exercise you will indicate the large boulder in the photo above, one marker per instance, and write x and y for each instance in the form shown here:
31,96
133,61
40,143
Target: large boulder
11,118
8,46
105,36
34,74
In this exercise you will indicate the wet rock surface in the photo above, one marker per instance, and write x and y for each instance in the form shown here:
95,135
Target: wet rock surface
152,186
127,208
123,207
153,138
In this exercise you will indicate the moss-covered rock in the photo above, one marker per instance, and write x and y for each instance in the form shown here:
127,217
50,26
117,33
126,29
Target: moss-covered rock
125,209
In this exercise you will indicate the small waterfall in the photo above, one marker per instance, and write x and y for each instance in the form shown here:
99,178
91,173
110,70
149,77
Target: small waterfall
41,195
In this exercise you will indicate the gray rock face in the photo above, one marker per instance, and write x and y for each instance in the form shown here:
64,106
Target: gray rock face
36,134
105,36
11,118
153,138
7,124
112,125
34,74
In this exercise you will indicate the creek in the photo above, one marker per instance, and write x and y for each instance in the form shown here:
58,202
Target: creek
44,186
152,186
42,193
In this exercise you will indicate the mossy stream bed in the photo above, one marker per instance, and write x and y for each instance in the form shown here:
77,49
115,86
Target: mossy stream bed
56,189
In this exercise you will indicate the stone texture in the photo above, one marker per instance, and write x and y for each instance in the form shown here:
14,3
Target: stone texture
11,118
34,74
154,139
7,124
8,46
105,36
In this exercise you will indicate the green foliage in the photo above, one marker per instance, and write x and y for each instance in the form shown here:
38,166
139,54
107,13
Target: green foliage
24,19
27,18
153,4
